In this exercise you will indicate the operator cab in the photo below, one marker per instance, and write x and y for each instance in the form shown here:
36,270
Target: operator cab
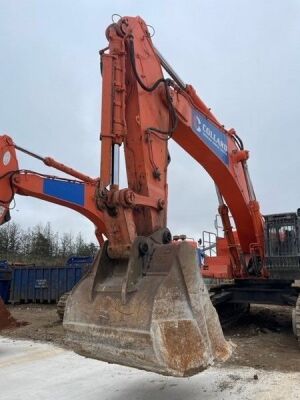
282,245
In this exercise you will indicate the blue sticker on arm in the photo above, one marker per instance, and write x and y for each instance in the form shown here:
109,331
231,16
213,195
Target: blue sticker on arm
64,190
212,136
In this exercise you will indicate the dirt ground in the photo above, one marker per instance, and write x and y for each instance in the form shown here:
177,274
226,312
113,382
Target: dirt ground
264,338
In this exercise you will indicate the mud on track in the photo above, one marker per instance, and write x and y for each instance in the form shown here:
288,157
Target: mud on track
264,337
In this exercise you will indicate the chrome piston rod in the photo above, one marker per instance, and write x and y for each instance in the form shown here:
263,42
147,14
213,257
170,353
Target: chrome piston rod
115,170
170,70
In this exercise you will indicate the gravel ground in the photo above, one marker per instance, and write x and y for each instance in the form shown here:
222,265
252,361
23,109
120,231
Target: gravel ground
39,371
263,338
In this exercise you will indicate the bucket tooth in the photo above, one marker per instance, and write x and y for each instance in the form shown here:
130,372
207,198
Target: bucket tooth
152,312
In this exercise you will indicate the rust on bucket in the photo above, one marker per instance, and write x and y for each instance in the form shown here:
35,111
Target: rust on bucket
151,313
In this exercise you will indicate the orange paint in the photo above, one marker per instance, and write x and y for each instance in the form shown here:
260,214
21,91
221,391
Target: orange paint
140,112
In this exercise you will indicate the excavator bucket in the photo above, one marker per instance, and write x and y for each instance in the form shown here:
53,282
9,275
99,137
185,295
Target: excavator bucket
152,312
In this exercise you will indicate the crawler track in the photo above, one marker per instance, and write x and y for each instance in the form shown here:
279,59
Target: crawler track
230,313
60,308
296,320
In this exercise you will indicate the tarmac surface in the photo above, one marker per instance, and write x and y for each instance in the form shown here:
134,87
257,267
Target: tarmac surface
39,371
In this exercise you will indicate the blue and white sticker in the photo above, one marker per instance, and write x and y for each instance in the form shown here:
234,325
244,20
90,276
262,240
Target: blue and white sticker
212,136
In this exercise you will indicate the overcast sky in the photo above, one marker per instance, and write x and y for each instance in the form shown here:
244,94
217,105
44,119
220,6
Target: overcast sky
243,58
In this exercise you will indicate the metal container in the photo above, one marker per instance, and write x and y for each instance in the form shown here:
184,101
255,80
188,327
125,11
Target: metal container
80,260
5,280
43,284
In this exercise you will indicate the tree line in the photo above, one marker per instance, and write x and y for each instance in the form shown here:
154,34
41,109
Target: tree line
41,245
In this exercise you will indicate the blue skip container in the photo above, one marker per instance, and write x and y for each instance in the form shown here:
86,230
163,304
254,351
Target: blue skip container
5,280
43,284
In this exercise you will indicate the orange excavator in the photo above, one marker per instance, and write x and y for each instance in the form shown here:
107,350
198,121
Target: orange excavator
144,303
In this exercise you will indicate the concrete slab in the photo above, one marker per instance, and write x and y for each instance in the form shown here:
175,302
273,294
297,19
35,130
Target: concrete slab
38,371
